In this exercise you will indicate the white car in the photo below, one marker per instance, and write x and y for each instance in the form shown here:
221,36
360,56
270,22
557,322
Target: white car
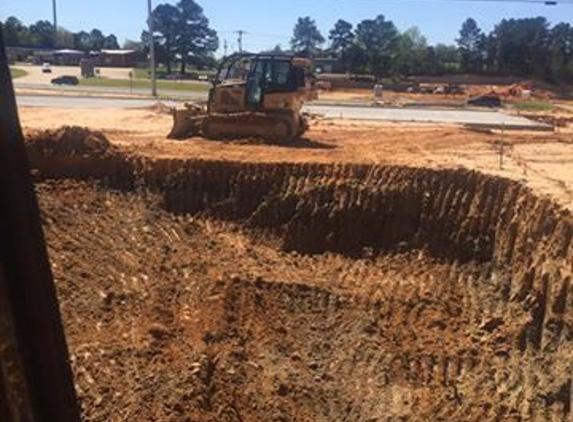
46,68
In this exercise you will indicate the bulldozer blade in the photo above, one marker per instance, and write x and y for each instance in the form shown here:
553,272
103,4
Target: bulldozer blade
186,123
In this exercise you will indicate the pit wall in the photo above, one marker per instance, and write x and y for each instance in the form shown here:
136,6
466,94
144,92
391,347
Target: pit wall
452,215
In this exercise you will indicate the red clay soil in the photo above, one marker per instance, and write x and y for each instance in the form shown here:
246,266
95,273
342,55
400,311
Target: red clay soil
221,291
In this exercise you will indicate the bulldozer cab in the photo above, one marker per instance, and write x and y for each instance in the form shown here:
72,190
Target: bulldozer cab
251,82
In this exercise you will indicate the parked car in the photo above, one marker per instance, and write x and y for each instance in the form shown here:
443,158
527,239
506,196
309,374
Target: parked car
488,100
46,68
65,80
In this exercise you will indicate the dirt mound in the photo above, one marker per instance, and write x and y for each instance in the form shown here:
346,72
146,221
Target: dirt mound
551,119
71,151
70,141
159,108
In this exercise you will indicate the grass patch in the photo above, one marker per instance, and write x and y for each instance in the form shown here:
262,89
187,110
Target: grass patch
144,73
140,73
145,84
533,106
17,73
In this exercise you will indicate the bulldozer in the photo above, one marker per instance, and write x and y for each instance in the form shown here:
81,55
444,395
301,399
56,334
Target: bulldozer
253,95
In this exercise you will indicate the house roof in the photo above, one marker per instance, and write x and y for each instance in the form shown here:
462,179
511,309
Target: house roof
118,52
68,51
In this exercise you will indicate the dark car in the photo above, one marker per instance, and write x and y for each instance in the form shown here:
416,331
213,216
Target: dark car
488,100
65,80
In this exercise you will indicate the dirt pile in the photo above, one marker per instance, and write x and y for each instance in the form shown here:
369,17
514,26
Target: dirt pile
217,291
69,141
71,151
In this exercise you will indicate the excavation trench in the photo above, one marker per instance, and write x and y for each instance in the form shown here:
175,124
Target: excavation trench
305,292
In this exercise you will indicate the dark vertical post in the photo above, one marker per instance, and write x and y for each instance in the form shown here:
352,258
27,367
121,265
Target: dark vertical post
151,24
27,277
240,39
54,10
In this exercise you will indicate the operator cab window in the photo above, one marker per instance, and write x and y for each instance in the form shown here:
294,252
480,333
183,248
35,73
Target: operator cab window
279,76
240,70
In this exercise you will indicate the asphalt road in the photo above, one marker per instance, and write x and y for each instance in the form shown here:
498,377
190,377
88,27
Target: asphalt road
54,90
470,117
86,103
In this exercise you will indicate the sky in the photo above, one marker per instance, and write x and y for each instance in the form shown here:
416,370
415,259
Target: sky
269,22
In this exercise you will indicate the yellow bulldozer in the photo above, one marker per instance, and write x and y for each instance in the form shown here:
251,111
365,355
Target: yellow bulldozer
253,95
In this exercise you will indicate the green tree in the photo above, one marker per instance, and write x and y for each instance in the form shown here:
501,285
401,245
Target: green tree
561,48
94,40
378,38
65,38
491,53
357,60
42,34
471,45
97,39
306,38
133,45
167,25
341,41
160,53
196,41
411,57
13,31
432,64
82,41
447,57
522,46
277,49
110,42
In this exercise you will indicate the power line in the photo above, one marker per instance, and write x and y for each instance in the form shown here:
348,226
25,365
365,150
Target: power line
255,34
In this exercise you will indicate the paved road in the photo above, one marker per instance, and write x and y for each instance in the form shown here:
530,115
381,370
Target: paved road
35,80
82,102
52,90
471,117
34,74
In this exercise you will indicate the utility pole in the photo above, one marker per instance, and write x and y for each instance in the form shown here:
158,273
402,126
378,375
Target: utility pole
55,23
226,47
240,39
151,48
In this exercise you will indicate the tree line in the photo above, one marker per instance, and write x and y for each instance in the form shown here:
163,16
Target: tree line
183,37
519,47
41,35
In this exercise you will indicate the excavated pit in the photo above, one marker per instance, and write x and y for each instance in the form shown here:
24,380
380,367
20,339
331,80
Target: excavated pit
219,291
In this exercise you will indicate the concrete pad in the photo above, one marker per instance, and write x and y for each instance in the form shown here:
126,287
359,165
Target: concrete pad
476,118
